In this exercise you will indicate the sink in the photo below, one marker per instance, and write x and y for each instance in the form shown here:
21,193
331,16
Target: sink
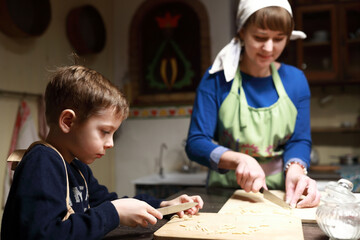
174,178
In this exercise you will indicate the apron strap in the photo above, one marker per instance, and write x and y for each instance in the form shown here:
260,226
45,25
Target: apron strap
17,156
277,81
236,88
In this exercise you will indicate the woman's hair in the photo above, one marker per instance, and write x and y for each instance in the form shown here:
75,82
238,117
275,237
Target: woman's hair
273,18
83,90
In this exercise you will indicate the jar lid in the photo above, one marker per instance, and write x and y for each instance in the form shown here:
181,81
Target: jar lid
346,184
339,192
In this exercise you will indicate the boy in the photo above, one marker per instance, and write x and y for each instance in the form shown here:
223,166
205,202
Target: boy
83,110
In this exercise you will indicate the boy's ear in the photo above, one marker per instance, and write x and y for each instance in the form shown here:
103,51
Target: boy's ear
66,120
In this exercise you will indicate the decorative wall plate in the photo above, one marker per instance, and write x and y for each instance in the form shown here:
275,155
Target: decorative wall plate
86,30
24,18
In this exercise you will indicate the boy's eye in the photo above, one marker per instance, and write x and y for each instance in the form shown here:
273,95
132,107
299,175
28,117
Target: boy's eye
105,132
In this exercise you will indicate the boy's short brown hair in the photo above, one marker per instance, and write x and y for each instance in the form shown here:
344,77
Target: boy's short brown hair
273,18
83,90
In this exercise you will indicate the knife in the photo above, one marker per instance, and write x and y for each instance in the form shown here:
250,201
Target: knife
176,208
274,199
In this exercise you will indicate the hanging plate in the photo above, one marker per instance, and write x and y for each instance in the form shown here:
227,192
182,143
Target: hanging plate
24,18
86,30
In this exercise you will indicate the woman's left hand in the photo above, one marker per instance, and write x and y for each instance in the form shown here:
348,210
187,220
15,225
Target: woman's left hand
183,199
298,184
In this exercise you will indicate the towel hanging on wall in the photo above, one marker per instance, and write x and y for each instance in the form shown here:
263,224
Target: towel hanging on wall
24,134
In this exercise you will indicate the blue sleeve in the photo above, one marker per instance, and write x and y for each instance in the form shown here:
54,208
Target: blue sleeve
99,194
202,135
37,204
298,147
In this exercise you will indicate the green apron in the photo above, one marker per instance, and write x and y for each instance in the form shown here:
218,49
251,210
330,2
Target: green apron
258,132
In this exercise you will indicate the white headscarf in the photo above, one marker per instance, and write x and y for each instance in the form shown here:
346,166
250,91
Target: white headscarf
228,58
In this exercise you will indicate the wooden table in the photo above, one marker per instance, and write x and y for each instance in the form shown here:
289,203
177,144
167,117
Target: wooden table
214,199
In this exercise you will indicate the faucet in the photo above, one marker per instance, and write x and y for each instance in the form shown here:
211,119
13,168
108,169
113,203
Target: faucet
187,166
161,169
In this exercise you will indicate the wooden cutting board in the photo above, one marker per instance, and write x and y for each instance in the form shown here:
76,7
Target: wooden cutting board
244,203
226,226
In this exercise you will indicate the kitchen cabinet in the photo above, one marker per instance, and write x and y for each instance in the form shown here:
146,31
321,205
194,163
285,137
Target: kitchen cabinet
332,136
331,52
335,130
350,47
312,1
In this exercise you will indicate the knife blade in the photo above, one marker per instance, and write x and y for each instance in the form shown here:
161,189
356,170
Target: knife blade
176,208
274,199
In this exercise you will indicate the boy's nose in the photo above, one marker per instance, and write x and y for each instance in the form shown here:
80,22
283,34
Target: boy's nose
109,143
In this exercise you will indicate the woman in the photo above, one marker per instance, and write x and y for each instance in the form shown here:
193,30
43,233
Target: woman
250,123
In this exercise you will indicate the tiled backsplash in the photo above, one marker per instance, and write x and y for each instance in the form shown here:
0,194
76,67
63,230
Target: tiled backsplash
160,112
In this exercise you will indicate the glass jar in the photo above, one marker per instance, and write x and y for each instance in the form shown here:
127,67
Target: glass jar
339,215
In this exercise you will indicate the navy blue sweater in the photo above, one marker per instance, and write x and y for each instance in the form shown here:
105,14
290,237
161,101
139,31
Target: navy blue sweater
37,200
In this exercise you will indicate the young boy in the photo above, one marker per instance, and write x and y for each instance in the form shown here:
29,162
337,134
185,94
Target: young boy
83,110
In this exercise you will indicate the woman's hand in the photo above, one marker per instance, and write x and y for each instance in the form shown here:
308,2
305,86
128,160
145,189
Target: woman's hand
133,212
183,199
249,174
298,184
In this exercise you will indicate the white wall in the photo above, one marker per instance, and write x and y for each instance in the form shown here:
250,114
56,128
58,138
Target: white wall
139,140
138,149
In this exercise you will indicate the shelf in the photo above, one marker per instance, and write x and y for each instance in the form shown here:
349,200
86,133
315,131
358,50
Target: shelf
335,130
324,168
353,41
316,43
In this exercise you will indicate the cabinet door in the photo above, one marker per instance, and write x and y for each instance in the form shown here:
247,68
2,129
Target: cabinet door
312,1
350,42
317,55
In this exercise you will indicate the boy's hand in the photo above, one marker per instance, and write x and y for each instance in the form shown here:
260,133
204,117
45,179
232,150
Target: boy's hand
183,199
133,212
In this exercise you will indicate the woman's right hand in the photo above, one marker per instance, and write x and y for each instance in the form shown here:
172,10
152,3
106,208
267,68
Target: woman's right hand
133,212
249,174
